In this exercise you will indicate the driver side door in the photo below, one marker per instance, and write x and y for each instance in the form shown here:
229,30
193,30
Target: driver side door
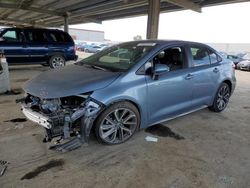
170,94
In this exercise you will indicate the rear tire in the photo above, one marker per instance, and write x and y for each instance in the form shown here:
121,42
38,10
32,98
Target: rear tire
57,61
221,98
117,123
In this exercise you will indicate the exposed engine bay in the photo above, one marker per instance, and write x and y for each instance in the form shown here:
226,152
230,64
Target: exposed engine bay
64,117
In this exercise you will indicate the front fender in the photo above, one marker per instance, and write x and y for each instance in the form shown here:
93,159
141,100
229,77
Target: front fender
134,91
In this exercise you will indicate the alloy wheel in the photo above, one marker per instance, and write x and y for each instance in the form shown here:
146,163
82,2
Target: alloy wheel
223,97
118,126
58,61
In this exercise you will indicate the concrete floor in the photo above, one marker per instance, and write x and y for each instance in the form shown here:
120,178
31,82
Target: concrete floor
215,151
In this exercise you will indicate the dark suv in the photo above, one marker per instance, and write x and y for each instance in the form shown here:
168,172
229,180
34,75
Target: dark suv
37,46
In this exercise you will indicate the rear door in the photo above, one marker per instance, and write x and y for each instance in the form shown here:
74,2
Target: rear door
205,74
14,45
37,43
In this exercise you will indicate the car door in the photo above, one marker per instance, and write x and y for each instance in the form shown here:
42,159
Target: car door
170,94
205,74
37,45
14,45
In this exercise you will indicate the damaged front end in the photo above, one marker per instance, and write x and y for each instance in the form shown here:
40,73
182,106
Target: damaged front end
66,117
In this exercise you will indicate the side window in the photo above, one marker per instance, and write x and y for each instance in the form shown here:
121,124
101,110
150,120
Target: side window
56,36
66,37
172,57
214,58
37,36
200,56
59,36
10,36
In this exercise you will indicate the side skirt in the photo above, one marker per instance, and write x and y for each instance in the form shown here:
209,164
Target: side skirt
180,115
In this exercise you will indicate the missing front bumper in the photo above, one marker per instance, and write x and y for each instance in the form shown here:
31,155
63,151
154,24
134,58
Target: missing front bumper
61,125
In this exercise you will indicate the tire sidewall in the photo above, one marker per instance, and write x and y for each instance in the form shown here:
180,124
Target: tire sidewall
54,56
215,106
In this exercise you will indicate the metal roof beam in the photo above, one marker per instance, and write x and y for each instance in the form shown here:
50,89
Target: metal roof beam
82,6
33,9
21,22
109,6
73,21
187,4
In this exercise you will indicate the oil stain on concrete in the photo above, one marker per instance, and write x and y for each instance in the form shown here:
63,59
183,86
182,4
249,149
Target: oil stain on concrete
16,120
51,164
13,92
163,131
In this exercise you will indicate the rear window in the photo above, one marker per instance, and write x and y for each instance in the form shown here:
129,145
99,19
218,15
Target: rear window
200,56
59,36
37,36
203,56
214,58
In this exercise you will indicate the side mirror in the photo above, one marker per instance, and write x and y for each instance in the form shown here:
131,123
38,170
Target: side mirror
160,69
2,39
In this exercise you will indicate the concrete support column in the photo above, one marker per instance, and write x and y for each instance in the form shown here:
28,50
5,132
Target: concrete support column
66,23
4,75
153,18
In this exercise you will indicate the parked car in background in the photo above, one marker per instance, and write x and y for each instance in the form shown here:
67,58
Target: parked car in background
235,59
244,65
37,46
92,49
80,45
151,82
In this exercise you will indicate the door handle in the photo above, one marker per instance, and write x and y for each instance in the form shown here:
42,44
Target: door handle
189,76
216,70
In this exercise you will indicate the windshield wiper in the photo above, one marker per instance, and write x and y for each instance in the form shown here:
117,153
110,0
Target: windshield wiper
81,63
100,68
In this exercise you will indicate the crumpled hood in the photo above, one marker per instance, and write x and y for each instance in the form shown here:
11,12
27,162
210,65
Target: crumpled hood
67,81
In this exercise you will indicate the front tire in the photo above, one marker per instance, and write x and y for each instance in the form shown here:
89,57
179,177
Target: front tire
57,61
117,123
221,98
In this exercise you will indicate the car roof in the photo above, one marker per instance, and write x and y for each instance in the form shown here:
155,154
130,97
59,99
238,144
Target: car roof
160,41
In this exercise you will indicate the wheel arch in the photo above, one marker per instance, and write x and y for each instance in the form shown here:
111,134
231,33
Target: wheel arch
61,53
110,103
125,100
227,81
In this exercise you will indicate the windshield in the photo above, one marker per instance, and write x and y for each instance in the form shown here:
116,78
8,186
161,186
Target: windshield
119,57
